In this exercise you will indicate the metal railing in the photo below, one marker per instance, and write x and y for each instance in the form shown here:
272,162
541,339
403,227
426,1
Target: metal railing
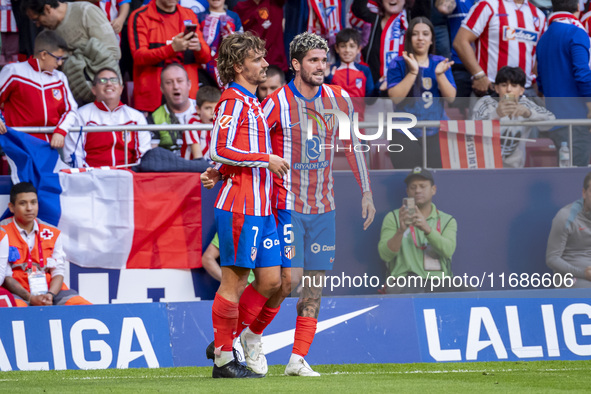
420,124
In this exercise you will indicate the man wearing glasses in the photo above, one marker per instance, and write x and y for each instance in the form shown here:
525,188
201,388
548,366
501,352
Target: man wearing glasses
88,33
108,148
35,93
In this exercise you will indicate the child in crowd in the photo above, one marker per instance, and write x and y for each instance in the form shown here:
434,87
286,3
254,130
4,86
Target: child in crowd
217,23
196,142
354,77
417,81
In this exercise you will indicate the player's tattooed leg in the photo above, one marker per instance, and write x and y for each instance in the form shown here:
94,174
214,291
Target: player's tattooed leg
309,302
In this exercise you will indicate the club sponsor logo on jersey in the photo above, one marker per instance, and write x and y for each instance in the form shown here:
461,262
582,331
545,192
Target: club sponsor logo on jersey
427,83
268,243
225,121
57,94
289,251
313,148
519,34
315,248
253,253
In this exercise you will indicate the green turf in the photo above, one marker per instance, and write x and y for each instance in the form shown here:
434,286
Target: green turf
535,377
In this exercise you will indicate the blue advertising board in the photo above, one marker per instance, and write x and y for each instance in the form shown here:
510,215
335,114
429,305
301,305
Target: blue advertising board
85,337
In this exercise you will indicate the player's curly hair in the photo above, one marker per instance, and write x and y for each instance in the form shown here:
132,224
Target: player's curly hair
234,49
304,42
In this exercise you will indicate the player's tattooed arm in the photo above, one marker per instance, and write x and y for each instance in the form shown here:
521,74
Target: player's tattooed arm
309,302
445,6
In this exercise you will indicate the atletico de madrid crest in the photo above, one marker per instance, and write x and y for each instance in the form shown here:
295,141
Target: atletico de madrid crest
253,253
57,94
289,251
358,83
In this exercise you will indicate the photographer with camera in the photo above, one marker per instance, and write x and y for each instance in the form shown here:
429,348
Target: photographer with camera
417,240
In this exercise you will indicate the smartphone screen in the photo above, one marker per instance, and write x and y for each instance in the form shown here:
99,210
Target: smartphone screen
190,28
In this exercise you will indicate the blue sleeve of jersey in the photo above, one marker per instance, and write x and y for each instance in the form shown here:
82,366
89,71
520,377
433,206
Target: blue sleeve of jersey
396,71
580,59
236,17
369,85
450,77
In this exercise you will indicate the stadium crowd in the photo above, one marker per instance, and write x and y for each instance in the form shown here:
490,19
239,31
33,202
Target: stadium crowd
423,54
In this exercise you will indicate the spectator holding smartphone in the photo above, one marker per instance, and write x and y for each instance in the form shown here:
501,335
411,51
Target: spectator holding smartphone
157,37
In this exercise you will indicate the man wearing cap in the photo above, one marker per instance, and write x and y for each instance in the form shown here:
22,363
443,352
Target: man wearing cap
420,243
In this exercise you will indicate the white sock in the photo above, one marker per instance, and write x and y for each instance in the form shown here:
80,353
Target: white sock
295,358
224,358
251,334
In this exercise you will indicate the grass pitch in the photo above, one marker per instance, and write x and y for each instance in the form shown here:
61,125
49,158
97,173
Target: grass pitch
534,376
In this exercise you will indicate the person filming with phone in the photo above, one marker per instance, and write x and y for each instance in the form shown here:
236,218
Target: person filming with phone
160,33
511,105
417,240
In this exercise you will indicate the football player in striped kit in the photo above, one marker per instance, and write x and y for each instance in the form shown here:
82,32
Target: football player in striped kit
248,235
303,200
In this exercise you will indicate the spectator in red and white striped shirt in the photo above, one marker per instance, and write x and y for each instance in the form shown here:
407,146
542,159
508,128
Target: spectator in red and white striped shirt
505,34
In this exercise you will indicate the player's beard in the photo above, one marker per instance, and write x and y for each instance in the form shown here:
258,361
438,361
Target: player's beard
255,78
308,78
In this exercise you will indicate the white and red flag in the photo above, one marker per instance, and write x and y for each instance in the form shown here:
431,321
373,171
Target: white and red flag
470,144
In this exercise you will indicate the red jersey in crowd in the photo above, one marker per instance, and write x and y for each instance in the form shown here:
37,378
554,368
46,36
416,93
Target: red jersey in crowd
150,38
265,20
32,97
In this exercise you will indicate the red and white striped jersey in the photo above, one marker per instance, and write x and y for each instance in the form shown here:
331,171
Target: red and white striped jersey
240,140
111,8
308,187
7,21
190,137
507,35
324,18
108,148
32,97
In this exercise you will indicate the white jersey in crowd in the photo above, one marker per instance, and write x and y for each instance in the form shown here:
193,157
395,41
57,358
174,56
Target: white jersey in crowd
106,147
507,35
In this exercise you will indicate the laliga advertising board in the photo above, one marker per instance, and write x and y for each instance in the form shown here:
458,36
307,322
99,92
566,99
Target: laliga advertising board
517,326
94,337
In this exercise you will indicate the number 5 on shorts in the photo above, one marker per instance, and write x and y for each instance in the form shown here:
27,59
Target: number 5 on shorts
287,231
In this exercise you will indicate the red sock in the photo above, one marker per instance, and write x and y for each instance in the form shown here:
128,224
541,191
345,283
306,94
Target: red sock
304,335
249,307
263,319
224,315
